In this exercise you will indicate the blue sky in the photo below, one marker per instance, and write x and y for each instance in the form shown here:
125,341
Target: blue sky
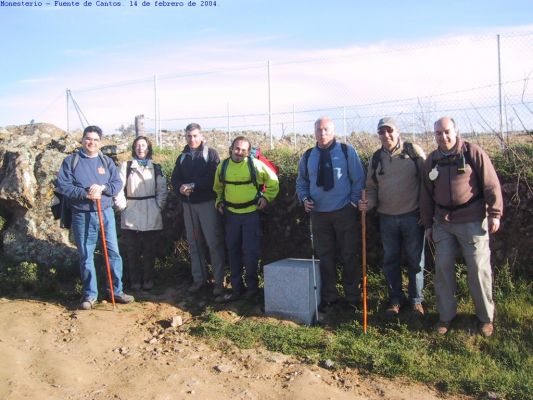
46,50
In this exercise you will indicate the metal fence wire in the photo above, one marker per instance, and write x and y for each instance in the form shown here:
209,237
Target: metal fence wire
482,81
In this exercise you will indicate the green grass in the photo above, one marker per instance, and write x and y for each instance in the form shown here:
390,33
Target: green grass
460,362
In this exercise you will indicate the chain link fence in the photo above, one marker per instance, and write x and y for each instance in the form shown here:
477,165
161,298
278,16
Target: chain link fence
481,81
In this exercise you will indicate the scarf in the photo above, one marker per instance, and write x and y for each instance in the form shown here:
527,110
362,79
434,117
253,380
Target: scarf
325,168
142,162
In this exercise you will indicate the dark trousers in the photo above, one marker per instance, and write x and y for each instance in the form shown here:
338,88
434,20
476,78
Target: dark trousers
141,252
336,232
243,241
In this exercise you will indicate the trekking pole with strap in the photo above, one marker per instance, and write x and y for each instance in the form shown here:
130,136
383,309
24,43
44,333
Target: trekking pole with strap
314,267
363,260
104,246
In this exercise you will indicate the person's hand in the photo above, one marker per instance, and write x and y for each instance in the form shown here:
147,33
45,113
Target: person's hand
186,189
95,192
220,208
494,224
429,234
309,204
362,205
261,203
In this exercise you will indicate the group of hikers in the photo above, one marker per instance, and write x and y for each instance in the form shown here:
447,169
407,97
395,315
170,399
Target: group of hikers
452,198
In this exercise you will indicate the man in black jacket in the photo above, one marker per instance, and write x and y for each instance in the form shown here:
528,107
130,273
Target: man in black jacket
192,180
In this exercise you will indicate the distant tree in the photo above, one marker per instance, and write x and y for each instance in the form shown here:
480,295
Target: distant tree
129,130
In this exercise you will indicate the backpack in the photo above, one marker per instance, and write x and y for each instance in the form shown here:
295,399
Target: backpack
255,152
60,205
407,149
307,153
157,172
205,155
465,157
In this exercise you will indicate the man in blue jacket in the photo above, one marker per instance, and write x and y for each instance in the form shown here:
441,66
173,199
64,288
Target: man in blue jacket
84,177
329,184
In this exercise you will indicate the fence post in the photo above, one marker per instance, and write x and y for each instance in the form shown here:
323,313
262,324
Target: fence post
139,125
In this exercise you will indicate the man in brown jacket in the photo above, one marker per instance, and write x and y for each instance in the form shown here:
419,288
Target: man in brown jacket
460,204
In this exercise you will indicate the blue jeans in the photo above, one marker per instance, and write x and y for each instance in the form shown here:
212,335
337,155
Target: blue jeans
397,231
86,231
243,240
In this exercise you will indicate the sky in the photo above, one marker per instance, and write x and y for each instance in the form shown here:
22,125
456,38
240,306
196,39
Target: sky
212,61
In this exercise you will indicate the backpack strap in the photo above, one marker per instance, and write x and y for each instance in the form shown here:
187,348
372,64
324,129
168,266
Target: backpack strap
253,180
157,172
467,157
407,149
344,148
205,155
376,161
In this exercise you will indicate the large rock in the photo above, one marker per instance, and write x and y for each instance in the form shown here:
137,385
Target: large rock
31,156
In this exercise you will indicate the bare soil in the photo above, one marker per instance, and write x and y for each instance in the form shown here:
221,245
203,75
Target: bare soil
52,351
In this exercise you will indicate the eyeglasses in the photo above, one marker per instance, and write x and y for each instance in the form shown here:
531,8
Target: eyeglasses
385,129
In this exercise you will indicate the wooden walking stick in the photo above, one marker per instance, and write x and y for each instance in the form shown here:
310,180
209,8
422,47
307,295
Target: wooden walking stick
104,246
363,260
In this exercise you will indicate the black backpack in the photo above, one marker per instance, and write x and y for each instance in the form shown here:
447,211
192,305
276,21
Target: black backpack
307,153
407,149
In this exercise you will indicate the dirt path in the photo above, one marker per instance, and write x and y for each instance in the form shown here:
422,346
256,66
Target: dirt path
50,352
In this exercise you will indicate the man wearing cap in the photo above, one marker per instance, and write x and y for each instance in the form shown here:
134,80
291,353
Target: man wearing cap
393,188
329,184
460,204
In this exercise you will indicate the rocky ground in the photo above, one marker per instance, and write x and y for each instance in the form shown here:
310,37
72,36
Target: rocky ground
142,351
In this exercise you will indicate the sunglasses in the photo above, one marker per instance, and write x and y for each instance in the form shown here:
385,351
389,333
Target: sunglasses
384,129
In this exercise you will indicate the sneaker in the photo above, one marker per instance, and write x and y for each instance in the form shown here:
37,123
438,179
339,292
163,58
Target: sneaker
87,304
417,310
195,287
443,327
393,310
124,298
148,285
486,329
218,290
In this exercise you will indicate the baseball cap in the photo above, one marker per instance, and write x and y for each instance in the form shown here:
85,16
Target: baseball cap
387,121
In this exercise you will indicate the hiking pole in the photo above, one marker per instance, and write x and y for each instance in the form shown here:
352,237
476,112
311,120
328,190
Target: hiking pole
314,268
363,261
104,246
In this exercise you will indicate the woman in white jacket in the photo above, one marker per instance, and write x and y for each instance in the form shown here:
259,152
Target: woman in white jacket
141,200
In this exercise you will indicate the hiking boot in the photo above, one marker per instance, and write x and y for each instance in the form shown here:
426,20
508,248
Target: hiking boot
486,329
393,310
195,287
251,294
443,327
326,306
417,310
231,297
218,290
124,298
148,285
352,305
87,304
